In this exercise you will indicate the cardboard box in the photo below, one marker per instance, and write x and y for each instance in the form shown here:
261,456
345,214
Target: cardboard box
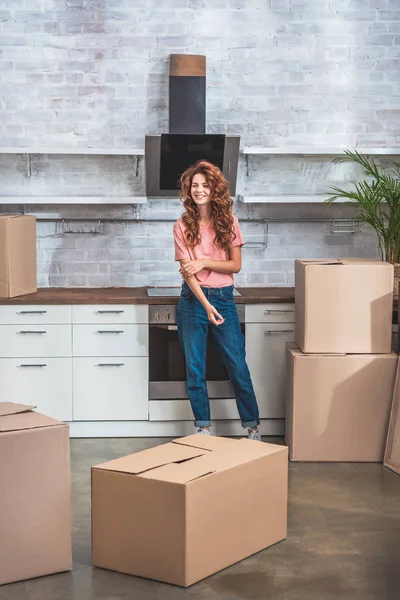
35,529
182,511
344,306
17,255
338,406
392,452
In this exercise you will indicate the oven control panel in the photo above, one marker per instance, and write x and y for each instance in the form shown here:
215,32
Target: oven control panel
163,314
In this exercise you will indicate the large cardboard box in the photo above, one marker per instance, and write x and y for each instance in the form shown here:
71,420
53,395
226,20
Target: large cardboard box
184,510
35,530
344,305
338,406
17,255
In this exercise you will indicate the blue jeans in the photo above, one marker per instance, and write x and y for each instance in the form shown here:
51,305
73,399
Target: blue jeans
193,329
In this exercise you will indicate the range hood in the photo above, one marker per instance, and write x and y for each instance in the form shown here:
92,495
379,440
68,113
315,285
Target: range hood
169,154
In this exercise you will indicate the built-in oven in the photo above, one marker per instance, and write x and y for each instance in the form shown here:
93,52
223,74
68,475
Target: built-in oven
167,376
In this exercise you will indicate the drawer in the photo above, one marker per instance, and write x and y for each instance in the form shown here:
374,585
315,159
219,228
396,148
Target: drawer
53,341
34,314
270,313
181,410
45,383
266,350
110,389
110,313
110,340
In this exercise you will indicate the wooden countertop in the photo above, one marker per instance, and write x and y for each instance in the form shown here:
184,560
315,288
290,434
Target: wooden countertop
120,295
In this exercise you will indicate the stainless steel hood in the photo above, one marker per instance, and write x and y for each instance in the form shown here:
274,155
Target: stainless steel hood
168,155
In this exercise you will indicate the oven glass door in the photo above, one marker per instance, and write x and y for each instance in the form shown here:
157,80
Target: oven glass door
167,374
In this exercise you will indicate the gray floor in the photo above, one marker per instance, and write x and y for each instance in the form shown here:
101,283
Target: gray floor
343,541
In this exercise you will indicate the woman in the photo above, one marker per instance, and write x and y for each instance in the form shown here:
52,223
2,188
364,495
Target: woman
208,246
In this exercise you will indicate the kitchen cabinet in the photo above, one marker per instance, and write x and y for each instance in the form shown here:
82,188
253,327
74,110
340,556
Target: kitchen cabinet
36,358
110,389
268,330
110,364
87,364
42,382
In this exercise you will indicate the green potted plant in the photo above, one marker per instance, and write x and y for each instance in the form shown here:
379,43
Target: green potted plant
377,201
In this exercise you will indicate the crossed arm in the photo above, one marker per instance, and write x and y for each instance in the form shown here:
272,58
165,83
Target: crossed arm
190,267
233,265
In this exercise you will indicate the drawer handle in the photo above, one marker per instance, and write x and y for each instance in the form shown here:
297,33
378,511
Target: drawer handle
278,310
32,312
110,312
269,331
110,365
110,331
31,331
34,365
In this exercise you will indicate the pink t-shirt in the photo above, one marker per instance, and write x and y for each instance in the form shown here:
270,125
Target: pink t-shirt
206,249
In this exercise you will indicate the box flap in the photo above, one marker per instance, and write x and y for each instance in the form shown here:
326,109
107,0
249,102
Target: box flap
26,420
374,262
5,217
152,458
220,459
293,347
316,261
12,408
206,442
181,472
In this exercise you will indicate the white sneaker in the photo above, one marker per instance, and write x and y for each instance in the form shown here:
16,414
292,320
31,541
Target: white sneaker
254,434
203,430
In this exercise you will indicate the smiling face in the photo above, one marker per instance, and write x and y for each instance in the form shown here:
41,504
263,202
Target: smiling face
200,190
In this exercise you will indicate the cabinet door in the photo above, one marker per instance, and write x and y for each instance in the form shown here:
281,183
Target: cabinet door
35,340
110,313
266,358
110,389
270,313
110,340
33,314
46,383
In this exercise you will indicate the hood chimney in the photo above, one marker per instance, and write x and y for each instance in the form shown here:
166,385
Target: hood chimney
187,94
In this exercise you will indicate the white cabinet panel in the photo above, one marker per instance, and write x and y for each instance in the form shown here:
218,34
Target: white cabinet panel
110,313
34,314
270,313
266,358
180,410
46,383
107,389
35,340
110,340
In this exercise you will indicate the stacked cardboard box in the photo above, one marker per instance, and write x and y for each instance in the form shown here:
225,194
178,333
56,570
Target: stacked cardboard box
35,527
341,371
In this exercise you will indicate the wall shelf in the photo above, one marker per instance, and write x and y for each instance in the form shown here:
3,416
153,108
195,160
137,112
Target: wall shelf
308,199
73,200
289,150
88,151
315,150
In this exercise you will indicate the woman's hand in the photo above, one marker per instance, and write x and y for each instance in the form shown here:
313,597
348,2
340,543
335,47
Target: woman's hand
213,315
192,267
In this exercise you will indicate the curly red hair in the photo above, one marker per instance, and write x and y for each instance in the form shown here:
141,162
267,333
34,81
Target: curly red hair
221,206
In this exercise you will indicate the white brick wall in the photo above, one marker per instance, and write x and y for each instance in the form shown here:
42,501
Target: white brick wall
78,73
